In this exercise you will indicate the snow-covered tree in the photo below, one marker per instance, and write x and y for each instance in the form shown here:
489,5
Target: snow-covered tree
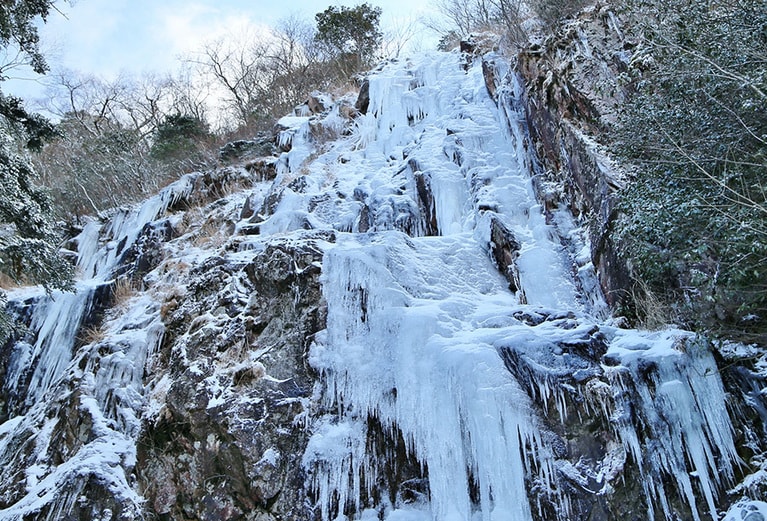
695,220
18,33
28,237
350,36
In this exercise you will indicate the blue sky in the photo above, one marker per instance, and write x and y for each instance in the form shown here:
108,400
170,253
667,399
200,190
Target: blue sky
107,37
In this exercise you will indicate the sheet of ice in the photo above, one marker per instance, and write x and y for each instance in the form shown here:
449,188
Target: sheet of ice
55,322
403,346
99,248
415,323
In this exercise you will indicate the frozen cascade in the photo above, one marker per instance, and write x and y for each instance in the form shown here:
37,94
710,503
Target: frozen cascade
96,260
56,321
438,365
424,338
679,399
414,348
110,384
57,317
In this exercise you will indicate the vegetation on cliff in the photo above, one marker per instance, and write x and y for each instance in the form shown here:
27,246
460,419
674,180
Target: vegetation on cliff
694,221
690,226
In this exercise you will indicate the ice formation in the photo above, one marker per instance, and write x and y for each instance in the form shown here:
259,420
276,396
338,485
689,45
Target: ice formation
110,384
425,340
418,325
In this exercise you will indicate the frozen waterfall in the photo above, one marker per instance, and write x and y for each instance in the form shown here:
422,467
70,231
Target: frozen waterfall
465,369
45,367
426,341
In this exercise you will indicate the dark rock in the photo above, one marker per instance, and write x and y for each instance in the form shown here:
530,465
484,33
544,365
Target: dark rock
298,185
248,209
491,79
147,251
363,99
210,458
426,202
262,168
563,108
505,249
242,149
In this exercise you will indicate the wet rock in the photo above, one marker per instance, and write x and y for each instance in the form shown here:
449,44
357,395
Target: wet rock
426,202
363,99
505,249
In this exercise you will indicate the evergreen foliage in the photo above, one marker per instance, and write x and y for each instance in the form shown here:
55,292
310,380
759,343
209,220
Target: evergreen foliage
178,139
28,237
551,11
694,221
350,36
18,29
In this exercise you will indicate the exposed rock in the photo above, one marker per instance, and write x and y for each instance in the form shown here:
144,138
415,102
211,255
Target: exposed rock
262,168
505,249
227,441
363,99
425,198
146,253
244,149
479,44
491,78
318,102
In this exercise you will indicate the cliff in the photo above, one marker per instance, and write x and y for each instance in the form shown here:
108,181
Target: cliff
404,313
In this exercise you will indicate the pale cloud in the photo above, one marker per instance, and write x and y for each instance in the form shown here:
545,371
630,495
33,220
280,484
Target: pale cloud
188,30
110,37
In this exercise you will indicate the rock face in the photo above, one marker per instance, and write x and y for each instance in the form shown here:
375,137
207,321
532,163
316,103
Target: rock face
232,386
387,320
575,81
573,94
184,390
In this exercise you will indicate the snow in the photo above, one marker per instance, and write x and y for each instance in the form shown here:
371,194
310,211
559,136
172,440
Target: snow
416,324
100,246
747,511
419,321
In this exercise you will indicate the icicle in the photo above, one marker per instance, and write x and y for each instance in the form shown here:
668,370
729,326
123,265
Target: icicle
122,230
55,323
393,326
678,398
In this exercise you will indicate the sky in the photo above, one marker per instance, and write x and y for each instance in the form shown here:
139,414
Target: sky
109,37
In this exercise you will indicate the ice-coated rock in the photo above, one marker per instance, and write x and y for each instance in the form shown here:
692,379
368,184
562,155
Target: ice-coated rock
387,319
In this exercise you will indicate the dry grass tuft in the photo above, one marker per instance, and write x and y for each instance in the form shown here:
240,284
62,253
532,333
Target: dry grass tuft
171,303
653,314
122,291
91,335
210,234
7,282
